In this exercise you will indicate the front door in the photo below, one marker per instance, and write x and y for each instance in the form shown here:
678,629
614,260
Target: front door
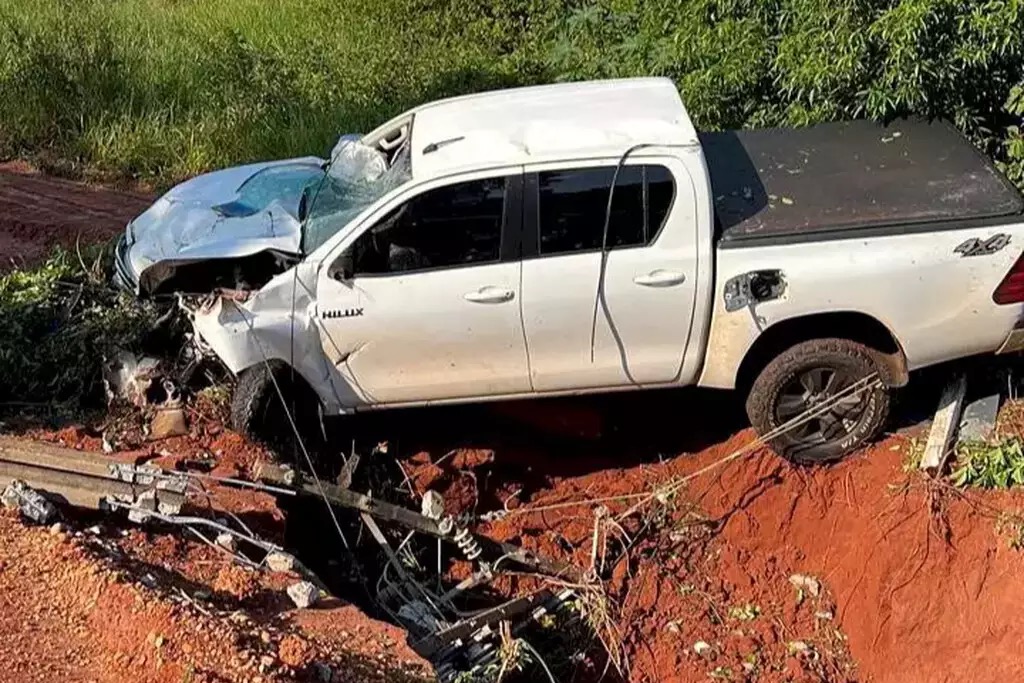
644,295
430,308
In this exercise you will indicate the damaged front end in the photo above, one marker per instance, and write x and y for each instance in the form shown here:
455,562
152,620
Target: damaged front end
275,324
232,246
239,227
232,228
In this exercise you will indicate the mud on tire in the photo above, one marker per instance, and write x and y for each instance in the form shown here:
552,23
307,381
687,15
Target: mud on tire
791,376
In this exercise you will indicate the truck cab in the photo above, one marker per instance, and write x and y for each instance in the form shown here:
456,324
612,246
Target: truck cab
494,257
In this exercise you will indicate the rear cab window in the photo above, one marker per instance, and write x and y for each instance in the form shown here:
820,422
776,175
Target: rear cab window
571,205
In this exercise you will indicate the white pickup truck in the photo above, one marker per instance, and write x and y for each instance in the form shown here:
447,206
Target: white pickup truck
584,237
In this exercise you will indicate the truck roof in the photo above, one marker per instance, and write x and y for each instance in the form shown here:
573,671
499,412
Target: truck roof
835,177
547,123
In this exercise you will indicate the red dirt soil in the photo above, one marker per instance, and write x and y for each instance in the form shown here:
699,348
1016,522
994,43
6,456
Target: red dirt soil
68,613
38,213
916,583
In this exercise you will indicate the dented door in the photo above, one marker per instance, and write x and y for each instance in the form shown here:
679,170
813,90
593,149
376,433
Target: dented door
426,304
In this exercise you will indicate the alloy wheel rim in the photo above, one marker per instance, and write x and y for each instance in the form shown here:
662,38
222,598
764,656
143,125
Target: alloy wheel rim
812,388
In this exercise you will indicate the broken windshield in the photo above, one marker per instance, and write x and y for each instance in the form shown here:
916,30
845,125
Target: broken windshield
357,177
276,183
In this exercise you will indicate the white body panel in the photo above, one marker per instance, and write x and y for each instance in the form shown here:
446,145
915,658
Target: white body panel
644,312
447,334
521,328
936,303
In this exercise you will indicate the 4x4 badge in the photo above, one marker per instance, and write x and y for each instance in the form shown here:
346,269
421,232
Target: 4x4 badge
975,247
343,313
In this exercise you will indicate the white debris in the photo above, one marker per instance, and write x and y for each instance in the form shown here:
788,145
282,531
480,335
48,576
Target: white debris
303,594
701,648
227,541
128,377
806,583
32,505
824,615
432,505
278,561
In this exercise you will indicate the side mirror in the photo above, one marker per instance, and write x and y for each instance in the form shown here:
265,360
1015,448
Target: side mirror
343,269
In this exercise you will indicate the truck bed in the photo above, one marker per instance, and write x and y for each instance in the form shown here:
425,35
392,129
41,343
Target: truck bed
830,180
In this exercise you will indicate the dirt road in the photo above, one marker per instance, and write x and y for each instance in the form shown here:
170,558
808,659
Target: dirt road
38,213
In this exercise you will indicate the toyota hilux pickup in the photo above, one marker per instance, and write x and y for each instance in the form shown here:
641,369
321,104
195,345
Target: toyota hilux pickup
585,237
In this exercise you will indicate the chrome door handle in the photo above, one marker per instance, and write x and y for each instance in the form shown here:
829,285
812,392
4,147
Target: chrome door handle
660,278
490,295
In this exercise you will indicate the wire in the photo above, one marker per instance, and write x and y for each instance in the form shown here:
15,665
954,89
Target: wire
540,660
607,223
855,389
295,429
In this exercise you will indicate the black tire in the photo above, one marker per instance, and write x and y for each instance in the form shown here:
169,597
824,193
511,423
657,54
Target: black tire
258,413
807,374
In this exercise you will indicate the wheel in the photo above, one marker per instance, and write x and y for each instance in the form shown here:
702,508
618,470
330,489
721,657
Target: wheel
258,413
804,377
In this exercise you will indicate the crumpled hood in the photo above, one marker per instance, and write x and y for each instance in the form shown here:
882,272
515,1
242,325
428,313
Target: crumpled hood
234,212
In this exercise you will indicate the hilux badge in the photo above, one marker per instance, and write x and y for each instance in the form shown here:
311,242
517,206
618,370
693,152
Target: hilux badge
343,313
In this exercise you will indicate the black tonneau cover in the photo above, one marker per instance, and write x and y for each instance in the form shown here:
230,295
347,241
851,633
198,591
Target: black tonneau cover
837,177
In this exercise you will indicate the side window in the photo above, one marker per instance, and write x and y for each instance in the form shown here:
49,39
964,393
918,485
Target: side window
573,203
456,225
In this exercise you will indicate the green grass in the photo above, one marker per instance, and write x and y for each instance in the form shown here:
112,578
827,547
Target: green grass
162,89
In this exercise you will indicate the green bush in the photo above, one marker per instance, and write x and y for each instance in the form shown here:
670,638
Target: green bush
162,89
60,321
990,466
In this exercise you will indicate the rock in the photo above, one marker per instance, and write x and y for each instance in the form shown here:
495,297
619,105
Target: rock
57,528
432,505
303,594
266,662
168,422
702,648
33,506
227,541
807,584
420,613
277,561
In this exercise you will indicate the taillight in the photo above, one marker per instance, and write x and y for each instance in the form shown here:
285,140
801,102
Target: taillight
1011,289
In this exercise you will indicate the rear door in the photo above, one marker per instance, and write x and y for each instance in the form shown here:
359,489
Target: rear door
430,309
643,288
